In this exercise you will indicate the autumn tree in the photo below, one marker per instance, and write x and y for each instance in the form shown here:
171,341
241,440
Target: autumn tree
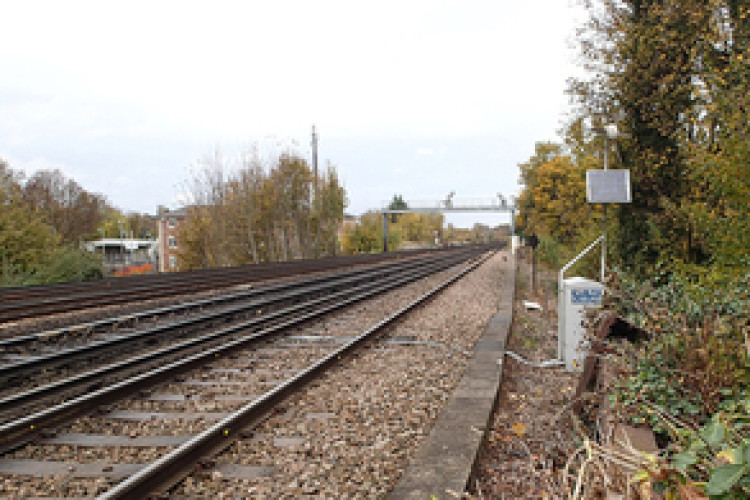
113,223
25,244
330,211
197,246
452,234
202,236
674,75
659,68
717,146
367,235
245,192
24,238
142,226
259,213
10,186
397,203
420,228
414,227
553,199
32,251
291,182
62,203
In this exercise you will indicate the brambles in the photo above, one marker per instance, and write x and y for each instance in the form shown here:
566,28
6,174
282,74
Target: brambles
712,460
689,382
697,344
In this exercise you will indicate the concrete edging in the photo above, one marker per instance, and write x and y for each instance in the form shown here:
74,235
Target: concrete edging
444,463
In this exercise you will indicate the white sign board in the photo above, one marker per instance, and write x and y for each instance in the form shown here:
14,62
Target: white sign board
608,186
586,296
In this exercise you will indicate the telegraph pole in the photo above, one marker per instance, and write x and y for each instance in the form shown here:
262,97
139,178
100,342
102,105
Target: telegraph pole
315,200
315,164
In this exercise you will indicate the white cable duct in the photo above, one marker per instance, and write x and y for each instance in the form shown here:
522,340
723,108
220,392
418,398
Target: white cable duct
544,364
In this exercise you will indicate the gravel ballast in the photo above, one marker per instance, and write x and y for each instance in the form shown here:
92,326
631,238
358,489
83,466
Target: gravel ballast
379,406
350,434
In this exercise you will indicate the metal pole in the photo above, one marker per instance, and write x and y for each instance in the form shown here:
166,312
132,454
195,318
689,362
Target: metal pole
315,200
315,164
385,232
604,211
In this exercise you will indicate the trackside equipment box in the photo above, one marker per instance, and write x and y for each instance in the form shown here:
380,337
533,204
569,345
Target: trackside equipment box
578,295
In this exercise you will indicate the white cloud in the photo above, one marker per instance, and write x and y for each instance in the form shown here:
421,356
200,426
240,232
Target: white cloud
96,80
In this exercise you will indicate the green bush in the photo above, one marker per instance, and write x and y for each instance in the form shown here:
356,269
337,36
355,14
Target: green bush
550,251
57,266
696,360
713,458
70,264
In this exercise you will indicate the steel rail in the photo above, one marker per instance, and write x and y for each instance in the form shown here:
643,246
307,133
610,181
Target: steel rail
171,468
14,433
263,269
69,297
95,348
160,311
12,402
62,409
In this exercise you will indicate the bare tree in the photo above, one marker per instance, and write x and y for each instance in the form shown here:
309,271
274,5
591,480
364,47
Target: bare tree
258,212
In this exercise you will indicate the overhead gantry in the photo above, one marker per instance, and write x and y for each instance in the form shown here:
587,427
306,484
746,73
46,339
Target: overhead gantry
500,204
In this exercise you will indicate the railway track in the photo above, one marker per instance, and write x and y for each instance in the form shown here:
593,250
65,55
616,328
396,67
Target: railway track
31,360
223,383
33,302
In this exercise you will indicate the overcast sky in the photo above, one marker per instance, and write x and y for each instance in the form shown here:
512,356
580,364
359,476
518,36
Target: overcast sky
413,97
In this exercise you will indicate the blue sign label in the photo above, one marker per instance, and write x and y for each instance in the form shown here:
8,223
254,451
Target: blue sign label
586,296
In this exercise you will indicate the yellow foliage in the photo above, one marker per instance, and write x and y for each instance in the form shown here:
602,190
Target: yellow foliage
553,201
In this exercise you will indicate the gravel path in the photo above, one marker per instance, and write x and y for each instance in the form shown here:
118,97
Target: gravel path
350,435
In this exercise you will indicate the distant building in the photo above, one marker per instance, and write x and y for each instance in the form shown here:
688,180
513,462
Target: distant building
125,256
168,223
